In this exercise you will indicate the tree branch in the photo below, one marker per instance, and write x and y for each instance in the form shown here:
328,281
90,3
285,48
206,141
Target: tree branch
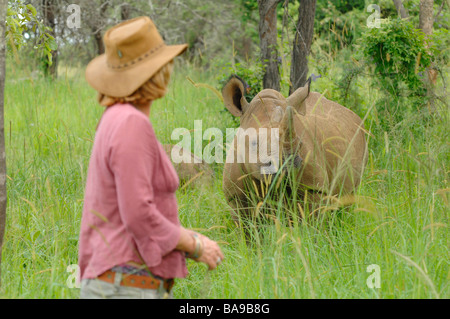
401,9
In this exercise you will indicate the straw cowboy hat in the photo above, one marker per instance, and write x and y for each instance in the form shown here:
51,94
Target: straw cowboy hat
135,51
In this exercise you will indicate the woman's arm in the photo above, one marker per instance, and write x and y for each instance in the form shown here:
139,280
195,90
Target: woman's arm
186,242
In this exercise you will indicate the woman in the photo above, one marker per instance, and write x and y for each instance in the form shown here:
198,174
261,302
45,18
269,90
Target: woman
131,242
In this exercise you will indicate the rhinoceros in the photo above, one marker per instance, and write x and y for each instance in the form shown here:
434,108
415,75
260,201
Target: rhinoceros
321,140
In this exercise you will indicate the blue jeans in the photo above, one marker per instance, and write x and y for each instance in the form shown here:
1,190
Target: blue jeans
98,289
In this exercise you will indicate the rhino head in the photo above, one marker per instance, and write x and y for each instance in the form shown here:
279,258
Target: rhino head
322,143
266,141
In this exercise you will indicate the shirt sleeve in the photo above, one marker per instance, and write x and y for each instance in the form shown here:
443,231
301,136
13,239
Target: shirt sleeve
133,157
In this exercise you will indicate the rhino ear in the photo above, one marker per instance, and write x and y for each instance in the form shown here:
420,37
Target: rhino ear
233,94
298,98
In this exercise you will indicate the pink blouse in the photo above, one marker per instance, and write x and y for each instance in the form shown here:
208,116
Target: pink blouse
130,210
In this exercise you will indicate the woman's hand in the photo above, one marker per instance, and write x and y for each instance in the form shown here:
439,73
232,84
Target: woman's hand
200,248
211,254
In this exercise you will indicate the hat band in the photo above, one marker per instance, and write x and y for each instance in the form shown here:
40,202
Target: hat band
136,60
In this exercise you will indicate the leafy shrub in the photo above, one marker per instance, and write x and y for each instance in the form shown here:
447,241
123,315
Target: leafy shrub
399,54
394,58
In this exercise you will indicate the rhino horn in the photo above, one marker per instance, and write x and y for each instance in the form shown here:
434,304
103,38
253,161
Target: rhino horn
298,98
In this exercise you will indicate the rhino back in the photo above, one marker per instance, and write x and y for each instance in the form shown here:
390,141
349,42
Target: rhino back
333,145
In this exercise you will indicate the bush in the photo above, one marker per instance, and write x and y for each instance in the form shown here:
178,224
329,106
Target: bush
399,55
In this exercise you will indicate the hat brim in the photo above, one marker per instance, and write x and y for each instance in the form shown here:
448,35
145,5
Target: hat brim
123,82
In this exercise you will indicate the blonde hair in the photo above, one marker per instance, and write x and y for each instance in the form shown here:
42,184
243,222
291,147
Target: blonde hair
154,88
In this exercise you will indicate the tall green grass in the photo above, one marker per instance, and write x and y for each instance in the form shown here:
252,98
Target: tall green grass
398,221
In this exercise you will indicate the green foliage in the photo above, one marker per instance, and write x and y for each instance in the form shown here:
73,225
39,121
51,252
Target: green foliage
339,22
22,18
399,55
249,8
441,44
343,6
252,72
345,82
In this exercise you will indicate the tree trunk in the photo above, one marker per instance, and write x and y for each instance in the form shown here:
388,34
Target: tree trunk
401,9
426,16
426,20
302,43
3,5
48,11
99,25
268,43
99,42
125,12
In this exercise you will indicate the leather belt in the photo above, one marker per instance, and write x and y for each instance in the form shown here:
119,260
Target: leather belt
137,281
